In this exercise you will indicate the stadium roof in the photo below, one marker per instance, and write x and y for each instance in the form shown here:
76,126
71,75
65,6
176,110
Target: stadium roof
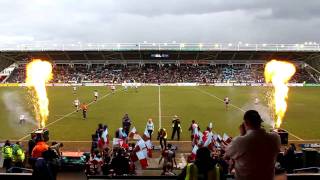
166,52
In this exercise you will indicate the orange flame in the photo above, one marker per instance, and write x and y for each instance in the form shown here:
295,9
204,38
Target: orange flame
38,74
279,73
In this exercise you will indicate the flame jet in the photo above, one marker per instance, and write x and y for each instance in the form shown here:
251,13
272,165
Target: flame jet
279,73
38,74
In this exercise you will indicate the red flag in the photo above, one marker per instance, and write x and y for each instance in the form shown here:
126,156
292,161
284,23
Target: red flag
143,160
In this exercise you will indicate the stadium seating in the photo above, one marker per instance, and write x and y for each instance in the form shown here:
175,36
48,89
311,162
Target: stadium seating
153,73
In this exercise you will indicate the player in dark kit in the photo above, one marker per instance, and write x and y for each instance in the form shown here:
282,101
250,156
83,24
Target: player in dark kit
176,127
84,108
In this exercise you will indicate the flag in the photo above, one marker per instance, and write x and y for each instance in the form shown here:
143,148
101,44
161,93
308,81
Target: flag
204,136
194,152
217,144
115,141
149,148
105,136
215,137
141,144
142,158
146,133
208,140
219,138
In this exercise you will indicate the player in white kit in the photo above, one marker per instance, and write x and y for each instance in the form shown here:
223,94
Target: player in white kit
22,119
96,94
74,90
226,102
125,84
77,104
256,101
135,85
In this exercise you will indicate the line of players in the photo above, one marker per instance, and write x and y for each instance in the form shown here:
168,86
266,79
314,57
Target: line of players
84,106
227,101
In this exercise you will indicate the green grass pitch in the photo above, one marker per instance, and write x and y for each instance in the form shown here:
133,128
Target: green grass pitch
200,103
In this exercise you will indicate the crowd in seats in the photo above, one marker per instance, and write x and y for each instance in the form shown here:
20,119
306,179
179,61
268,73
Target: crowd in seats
211,154
165,73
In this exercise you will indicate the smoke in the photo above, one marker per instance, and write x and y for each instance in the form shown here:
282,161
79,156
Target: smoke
263,110
263,106
15,107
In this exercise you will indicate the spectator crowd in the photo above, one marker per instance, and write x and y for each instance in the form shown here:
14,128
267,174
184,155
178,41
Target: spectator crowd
165,73
254,154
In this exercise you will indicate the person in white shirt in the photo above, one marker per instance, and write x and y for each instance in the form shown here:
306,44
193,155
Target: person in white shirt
74,90
96,94
135,85
255,151
22,119
256,101
77,104
125,84
150,127
105,134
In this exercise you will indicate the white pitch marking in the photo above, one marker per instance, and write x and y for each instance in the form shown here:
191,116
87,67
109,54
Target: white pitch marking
64,116
159,100
209,94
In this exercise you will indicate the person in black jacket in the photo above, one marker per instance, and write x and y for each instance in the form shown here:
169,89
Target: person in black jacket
176,127
126,123
120,164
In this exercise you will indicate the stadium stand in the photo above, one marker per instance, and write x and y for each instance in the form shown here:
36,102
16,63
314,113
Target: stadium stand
167,73
155,66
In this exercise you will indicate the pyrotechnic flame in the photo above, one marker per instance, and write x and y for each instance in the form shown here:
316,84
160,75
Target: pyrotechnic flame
38,74
279,73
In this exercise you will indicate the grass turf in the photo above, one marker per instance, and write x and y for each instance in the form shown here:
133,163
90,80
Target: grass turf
200,103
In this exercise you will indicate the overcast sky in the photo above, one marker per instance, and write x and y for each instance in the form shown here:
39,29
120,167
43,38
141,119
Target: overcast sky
88,21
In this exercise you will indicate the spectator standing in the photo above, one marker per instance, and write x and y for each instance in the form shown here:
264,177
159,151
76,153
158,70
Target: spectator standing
39,148
126,123
7,155
18,155
120,164
193,128
255,152
289,159
56,147
44,168
150,128
176,127
162,137
204,167
169,156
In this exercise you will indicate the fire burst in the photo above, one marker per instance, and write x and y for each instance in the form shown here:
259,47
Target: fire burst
38,74
279,73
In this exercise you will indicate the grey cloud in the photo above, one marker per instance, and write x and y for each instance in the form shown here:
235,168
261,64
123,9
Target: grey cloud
63,21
